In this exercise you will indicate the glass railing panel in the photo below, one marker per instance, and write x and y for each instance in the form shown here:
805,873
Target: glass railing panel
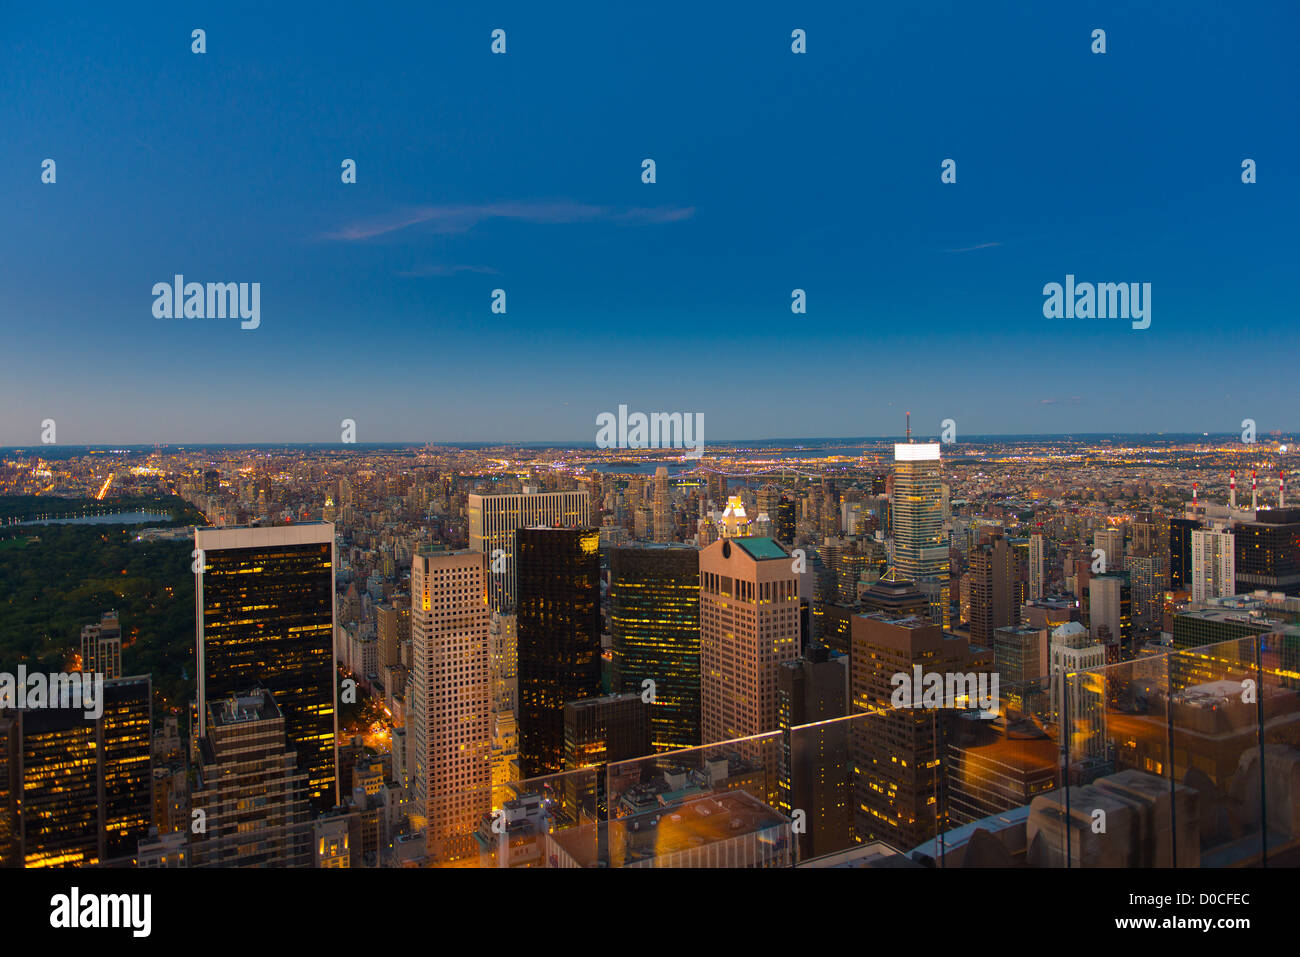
1214,808
1115,728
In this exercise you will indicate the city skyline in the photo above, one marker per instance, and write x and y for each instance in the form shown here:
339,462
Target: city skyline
834,437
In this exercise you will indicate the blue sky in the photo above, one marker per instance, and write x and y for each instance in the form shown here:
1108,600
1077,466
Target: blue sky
523,172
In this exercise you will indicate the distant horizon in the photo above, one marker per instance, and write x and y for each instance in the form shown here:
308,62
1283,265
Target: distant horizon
809,442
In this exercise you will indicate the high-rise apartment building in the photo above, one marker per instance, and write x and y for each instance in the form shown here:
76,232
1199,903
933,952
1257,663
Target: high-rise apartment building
1037,565
559,626
249,792
1214,572
451,696
1110,612
920,547
494,519
265,600
994,589
749,625
1111,542
654,620
101,647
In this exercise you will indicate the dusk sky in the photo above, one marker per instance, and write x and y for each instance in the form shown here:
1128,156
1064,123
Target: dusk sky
522,171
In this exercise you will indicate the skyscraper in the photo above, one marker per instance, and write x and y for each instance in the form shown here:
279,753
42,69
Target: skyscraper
494,519
815,771
1180,553
83,786
749,624
558,614
994,593
920,549
897,782
503,639
451,695
101,647
654,620
1213,562
1037,565
599,732
265,599
1267,552
663,511
1111,542
1110,613
249,789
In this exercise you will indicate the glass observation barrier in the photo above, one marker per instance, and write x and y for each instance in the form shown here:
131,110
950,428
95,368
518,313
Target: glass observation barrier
1188,758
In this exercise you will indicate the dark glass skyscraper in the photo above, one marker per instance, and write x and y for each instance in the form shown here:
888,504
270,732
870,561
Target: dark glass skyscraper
558,613
266,619
655,625
83,786
785,520
1180,553
1267,552
815,767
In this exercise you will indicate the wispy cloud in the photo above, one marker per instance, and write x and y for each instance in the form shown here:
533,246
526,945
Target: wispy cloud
968,249
459,219
1068,400
420,272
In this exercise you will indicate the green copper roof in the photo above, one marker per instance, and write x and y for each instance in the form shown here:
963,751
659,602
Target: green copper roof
761,548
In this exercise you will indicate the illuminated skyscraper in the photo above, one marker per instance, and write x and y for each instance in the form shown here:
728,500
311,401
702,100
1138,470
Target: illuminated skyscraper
663,510
1267,552
494,519
654,620
749,625
9,856
266,619
898,783
83,786
503,639
599,732
559,627
1037,566
451,694
920,549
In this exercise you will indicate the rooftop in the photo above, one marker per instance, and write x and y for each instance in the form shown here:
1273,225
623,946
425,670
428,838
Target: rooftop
761,548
